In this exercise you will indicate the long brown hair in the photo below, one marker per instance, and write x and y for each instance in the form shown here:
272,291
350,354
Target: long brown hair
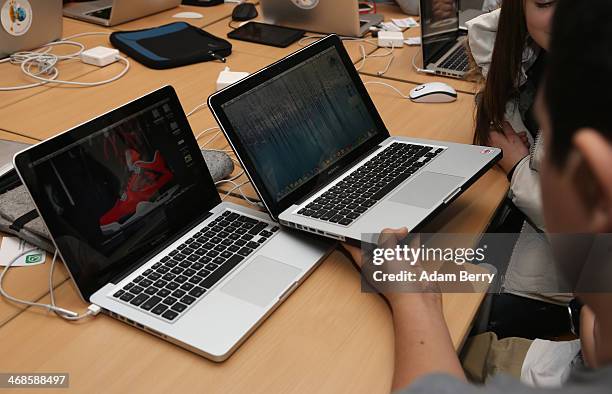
502,79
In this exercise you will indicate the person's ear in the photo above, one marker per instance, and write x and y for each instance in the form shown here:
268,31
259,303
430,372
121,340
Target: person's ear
594,176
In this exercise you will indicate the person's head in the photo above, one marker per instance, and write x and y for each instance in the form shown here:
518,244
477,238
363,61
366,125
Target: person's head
520,22
573,110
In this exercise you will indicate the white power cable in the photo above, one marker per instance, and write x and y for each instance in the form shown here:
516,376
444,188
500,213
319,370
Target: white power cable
417,68
389,86
26,70
196,109
364,56
45,63
92,310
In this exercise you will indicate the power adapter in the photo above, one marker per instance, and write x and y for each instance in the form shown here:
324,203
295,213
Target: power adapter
228,77
100,56
388,39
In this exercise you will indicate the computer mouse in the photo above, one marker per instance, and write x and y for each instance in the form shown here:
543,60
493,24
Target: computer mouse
244,12
433,92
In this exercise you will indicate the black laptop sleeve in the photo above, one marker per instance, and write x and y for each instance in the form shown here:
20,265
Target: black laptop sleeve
172,45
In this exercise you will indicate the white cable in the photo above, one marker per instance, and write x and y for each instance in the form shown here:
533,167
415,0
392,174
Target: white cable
214,137
241,173
93,33
92,310
417,68
125,61
206,131
196,109
45,63
239,188
389,86
70,315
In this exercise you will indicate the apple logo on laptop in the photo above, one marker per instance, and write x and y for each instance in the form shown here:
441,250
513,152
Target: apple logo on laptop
306,4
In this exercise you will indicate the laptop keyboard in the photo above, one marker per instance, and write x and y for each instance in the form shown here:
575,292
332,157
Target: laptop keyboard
357,193
457,61
104,13
178,280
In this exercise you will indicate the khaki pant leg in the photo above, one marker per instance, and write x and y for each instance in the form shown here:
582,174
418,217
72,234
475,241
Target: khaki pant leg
484,356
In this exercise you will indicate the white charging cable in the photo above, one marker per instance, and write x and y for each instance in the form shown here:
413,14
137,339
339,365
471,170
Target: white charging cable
41,65
92,310
364,56
417,68
389,86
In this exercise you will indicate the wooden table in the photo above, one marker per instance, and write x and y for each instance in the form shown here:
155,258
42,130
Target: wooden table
328,336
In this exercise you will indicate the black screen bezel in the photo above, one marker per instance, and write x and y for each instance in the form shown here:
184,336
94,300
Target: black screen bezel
440,48
22,161
216,101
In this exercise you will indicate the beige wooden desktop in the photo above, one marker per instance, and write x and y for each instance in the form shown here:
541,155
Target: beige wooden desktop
328,336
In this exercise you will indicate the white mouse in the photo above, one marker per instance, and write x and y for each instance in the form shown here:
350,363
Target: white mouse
433,92
188,15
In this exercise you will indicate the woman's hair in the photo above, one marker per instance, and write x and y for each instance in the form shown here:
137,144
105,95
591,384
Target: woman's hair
502,79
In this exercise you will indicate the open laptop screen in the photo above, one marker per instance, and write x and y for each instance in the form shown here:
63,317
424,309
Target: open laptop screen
120,187
440,27
301,122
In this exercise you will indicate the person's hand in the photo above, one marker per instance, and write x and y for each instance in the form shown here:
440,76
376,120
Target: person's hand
514,145
416,293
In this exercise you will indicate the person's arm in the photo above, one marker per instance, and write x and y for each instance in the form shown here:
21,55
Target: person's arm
422,341
587,337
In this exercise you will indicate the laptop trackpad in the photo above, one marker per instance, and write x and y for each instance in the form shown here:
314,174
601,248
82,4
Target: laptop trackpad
262,281
427,189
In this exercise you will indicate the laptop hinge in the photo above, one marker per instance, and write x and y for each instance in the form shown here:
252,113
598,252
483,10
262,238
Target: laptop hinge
133,267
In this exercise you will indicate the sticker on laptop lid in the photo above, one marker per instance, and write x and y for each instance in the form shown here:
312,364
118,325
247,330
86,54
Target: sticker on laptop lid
16,17
12,247
306,4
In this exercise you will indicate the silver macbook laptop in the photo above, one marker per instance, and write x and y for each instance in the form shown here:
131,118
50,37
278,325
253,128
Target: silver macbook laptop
136,217
321,158
341,17
442,42
114,12
28,24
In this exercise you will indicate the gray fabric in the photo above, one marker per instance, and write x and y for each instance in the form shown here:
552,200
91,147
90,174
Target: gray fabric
579,382
219,164
34,239
16,203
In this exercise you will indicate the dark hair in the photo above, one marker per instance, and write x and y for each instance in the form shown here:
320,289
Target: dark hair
579,73
502,79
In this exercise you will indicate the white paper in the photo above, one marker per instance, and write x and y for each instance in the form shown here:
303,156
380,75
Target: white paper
413,41
405,23
12,247
390,26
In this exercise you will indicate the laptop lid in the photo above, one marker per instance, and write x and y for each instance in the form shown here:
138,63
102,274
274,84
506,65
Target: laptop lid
28,24
300,122
439,28
118,189
338,16
127,10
